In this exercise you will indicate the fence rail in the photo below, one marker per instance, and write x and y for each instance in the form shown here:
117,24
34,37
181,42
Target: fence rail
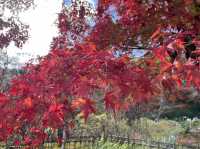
95,141
92,142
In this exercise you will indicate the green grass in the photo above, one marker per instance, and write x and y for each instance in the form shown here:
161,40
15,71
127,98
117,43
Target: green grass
164,130
161,129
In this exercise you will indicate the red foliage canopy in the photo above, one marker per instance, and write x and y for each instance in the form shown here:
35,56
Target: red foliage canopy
63,83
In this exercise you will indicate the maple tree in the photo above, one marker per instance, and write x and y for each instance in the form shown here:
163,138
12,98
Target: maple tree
83,61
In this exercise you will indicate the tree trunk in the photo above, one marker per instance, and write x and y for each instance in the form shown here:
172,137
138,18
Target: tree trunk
64,137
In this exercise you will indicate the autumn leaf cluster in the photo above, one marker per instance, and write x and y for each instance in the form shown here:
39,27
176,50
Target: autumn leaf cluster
82,62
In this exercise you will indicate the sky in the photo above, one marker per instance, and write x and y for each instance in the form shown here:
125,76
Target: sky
41,21
42,29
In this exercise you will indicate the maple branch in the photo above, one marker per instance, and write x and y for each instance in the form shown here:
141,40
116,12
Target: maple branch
197,3
134,47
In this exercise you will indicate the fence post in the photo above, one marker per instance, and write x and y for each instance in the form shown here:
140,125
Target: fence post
158,145
128,140
133,143
93,141
174,145
104,133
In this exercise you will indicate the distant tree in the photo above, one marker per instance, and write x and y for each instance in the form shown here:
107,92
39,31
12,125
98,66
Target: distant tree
9,67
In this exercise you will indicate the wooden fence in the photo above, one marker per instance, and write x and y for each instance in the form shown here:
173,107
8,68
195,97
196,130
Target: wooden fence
79,140
96,138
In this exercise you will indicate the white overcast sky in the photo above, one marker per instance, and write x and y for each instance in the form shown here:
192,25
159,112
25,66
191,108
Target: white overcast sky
42,28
